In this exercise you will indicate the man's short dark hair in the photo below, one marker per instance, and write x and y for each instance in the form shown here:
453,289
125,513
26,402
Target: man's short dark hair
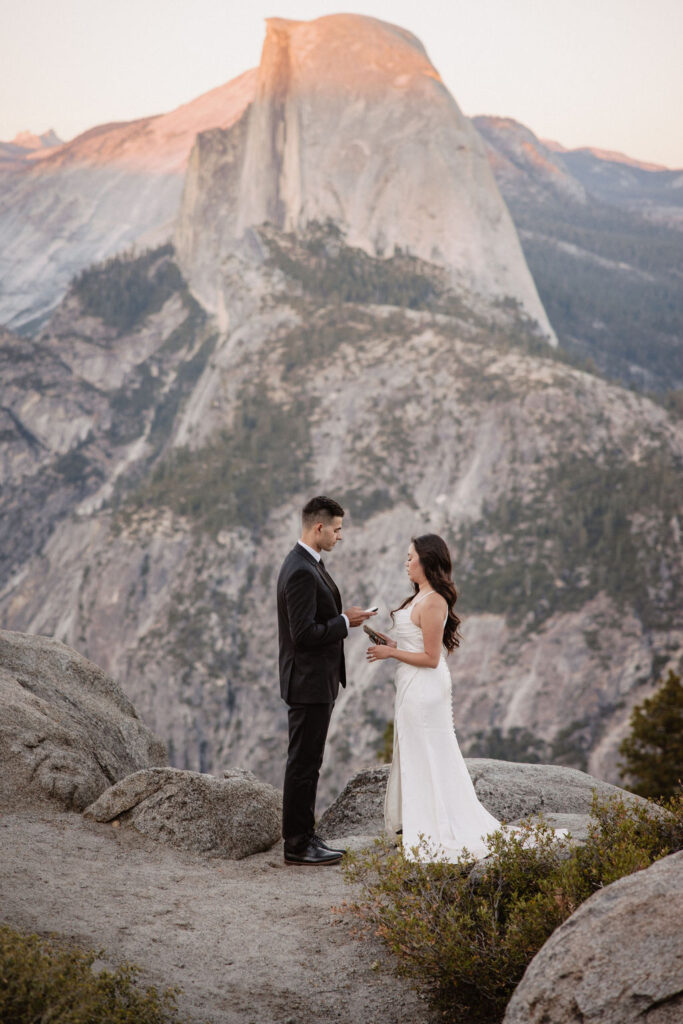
320,510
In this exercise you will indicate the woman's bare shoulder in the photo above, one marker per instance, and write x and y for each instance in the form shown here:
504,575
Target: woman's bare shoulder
435,602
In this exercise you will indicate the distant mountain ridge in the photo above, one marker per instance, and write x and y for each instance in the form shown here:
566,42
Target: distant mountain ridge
113,187
656,193
26,145
160,143
613,156
604,242
29,141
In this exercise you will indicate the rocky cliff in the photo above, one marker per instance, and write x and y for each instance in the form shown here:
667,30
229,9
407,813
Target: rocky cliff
155,466
67,732
114,186
602,238
600,232
352,124
25,145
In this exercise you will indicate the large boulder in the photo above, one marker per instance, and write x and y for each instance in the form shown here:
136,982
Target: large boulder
508,790
67,731
232,817
618,959
359,808
512,791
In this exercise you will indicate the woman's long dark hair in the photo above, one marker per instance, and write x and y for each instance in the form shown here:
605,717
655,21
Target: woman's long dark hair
435,559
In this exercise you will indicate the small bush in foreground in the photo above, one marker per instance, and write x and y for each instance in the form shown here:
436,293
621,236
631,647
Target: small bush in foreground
41,981
466,937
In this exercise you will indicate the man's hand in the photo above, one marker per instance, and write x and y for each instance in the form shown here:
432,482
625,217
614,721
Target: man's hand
357,616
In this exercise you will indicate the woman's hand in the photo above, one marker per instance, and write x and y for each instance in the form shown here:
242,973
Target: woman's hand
387,639
378,652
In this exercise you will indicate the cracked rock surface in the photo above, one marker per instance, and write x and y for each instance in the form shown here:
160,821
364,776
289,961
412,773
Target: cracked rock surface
67,731
618,959
234,817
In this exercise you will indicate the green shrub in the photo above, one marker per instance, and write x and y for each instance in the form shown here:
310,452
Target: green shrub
465,938
517,744
75,467
364,504
653,751
386,747
628,322
240,474
41,981
326,267
124,290
592,527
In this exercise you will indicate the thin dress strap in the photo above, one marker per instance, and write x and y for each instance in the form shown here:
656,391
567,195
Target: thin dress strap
418,597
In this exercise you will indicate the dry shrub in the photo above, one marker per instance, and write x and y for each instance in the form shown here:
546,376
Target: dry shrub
465,934
41,981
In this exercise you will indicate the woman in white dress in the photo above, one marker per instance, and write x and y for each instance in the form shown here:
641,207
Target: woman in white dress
429,791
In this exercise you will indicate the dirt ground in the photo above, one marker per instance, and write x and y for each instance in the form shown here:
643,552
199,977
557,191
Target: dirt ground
250,942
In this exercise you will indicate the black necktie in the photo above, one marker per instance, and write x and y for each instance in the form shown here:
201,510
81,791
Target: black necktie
328,579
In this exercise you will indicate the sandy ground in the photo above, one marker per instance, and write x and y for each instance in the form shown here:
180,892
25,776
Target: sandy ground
252,941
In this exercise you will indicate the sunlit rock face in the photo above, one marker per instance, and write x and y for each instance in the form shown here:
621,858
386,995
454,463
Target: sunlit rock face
115,186
523,163
25,145
351,123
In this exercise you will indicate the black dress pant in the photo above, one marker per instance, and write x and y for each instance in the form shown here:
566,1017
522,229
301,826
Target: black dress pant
308,724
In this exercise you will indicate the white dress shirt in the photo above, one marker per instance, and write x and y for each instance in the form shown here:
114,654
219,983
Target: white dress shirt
318,556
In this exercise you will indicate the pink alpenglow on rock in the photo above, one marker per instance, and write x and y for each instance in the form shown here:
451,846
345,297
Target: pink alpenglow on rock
352,123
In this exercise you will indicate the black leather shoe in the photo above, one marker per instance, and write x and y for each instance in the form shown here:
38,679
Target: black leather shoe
312,854
322,845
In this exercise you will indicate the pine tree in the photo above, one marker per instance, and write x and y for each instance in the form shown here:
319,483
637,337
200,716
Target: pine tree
653,752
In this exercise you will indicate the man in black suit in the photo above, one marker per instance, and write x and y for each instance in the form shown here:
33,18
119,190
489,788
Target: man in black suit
311,628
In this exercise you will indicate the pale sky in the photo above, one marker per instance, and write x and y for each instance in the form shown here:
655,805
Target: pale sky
604,73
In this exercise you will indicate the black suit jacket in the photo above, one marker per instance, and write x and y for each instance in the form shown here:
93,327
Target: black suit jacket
311,631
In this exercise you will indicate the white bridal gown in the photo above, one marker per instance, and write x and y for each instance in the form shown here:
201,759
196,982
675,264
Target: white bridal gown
429,790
